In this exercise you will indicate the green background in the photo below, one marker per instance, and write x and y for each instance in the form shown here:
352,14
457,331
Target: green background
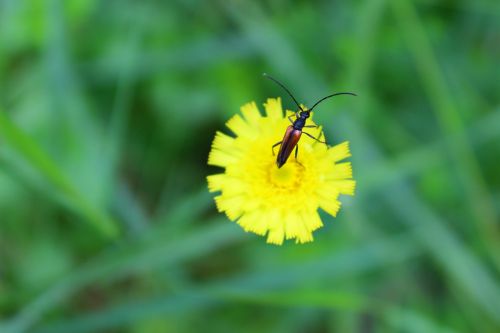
108,109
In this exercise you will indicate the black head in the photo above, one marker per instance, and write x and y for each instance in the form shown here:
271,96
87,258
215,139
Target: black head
305,114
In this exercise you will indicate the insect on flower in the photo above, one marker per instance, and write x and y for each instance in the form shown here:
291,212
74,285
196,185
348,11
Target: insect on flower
294,131
279,203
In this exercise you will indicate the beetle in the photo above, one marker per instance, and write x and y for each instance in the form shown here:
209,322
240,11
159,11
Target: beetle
294,131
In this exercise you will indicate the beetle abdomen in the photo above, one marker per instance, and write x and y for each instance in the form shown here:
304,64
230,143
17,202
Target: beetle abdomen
290,140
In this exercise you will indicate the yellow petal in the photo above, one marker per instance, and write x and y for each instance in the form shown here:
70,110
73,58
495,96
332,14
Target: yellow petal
340,151
215,182
313,220
251,113
273,108
241,128
276,235
341,171
327,195
346,186
222,158
229,205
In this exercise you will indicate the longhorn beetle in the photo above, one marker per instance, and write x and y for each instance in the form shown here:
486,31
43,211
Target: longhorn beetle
294,131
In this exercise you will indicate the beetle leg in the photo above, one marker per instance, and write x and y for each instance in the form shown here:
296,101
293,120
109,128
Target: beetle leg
319,137
296,153
311,126
277,143
296,117
312,137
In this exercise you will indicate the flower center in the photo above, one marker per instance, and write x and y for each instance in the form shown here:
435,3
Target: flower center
286,177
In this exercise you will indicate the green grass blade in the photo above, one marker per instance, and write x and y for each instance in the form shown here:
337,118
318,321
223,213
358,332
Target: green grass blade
257,287
39,160
452,125
128,259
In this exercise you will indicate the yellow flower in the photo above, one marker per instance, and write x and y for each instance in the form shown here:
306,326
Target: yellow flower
260,197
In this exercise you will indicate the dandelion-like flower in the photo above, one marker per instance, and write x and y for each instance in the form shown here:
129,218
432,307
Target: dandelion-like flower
264,199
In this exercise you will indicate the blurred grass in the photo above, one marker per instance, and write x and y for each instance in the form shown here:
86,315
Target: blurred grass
35,156
107,114
471,179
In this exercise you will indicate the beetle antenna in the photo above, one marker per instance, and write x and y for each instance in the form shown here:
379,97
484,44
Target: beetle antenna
326,97
282,86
